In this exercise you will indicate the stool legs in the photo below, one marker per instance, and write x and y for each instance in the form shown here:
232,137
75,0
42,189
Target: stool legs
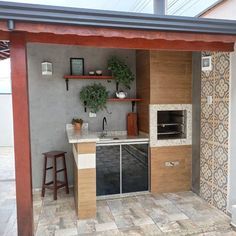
65,174
44,177
54,184
55,178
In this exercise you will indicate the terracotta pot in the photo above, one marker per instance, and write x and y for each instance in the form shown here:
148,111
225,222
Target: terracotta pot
77,126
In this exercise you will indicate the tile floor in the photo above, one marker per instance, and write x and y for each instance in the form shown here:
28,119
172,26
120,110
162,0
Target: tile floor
8,221
162,214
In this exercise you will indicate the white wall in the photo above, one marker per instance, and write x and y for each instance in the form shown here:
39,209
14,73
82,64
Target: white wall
6,120
232,141
225,10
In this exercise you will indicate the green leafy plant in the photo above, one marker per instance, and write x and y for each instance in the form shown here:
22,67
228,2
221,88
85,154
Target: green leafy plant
77,120
121,72
94,97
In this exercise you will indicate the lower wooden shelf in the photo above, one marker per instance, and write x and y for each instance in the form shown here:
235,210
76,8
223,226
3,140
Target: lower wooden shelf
125,99
132,100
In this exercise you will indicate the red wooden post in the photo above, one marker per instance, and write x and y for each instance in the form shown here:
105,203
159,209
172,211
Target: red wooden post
21,134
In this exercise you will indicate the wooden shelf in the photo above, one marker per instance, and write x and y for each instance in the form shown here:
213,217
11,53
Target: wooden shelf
95,77
132,100
125,99
106,77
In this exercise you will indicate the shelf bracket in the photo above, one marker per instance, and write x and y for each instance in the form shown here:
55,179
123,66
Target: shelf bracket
85,106
133,105
67,84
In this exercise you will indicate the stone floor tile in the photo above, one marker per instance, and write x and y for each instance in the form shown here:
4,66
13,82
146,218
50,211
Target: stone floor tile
150,230
66,232
178,214
167,226
117,207
134,231
8,220
105,226
114,232
86,226
124,221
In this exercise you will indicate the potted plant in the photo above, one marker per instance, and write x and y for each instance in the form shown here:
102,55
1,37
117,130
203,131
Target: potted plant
77,123
94,97
121,72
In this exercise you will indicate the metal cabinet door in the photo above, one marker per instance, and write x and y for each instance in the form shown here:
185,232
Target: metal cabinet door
108,170
134,168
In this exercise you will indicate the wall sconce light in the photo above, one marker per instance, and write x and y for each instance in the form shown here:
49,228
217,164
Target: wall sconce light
46,68
206,63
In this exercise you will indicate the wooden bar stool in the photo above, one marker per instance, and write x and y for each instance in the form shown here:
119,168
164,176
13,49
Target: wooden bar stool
55,184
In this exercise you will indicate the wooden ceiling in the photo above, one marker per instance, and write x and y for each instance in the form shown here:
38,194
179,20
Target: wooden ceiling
4,50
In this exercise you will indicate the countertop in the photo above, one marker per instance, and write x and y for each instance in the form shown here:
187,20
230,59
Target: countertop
115,137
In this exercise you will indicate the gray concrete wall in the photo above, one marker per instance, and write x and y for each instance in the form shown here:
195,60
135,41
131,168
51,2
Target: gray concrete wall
196,130
52,107
6,120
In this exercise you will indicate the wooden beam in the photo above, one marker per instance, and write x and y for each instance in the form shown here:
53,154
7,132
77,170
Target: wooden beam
60,29
114,42
21,134
4,35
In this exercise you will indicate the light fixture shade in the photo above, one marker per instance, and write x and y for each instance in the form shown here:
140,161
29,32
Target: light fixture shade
46,68
206,63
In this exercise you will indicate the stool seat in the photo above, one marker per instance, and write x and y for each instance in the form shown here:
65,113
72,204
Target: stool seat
55,184
54,153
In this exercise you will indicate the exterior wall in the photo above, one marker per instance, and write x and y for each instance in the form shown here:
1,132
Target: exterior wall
52,107
225,10
6,120
215,132
232,146
196,121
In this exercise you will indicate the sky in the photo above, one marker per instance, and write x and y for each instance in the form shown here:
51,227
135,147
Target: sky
175,7
117,5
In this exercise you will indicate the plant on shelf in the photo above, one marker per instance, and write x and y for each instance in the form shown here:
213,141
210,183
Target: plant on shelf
94,97
77,123
121,72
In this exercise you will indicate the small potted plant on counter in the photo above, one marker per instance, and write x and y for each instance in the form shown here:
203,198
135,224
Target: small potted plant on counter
77,123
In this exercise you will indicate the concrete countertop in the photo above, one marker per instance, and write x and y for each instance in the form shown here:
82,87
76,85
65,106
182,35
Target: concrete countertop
85,136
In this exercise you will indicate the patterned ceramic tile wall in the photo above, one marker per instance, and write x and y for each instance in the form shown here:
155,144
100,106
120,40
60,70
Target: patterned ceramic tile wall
214,131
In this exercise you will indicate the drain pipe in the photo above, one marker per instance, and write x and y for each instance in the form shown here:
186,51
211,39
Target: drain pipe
159,7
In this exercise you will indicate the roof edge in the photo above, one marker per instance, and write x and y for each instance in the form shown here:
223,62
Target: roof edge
112,19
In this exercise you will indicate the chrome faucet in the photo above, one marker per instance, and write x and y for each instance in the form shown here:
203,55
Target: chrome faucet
104,121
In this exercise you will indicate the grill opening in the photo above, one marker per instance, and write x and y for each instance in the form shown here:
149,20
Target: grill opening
171,124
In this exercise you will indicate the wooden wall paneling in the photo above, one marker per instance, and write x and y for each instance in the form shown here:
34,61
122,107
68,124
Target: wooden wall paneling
170,179
84,181
143,88
171,77
87,193
85,148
